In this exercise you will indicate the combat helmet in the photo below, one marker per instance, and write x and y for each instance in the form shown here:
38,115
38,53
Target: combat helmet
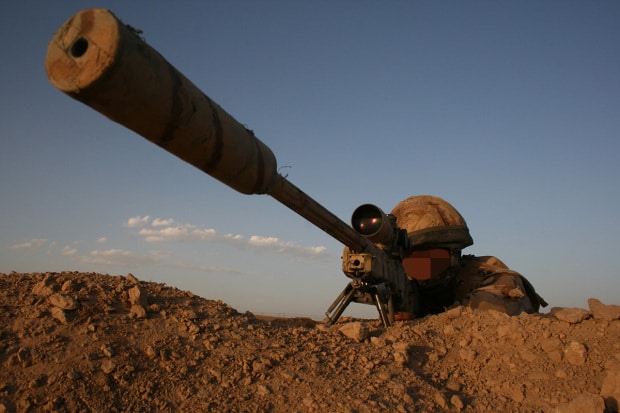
431,222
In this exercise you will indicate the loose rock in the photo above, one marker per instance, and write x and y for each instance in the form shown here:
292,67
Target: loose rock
59,314
63,301
606,312
570,315
575,353
138,296
357,331
138,311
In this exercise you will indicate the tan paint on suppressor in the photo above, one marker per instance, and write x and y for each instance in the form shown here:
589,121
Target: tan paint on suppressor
103,63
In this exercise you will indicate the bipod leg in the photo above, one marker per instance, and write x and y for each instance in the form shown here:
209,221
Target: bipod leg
340,304
391,308
383,312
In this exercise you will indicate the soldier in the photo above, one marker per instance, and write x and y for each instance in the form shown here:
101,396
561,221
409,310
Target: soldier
438,233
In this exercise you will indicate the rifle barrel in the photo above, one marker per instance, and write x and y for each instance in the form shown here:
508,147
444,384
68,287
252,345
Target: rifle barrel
103,63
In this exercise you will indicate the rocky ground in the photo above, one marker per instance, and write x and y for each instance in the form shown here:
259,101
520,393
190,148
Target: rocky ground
86,342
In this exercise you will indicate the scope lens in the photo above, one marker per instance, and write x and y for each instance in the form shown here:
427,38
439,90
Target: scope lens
368,225
367,220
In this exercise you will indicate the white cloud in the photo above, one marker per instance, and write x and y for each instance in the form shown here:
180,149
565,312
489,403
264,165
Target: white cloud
274,244
264,241
315,250
33,243
168,230
234,240
111,253
162,222
138,221
67,250
234,237
179,233
119,257
102,240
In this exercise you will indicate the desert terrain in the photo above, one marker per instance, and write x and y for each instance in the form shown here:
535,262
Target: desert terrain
88,342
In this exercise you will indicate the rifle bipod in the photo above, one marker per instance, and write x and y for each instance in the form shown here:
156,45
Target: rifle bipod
358,291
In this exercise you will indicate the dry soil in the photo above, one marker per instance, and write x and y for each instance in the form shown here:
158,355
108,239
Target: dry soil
87,342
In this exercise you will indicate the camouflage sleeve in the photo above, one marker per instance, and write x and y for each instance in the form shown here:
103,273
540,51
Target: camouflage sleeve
487,283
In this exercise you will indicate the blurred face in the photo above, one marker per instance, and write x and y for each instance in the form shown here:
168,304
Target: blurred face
426,264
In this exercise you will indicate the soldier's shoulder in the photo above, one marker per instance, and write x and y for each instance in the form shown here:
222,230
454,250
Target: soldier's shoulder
486,261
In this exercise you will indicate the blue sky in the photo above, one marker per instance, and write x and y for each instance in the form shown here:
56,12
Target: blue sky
508,110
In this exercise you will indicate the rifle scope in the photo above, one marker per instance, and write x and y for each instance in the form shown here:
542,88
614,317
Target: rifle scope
370,221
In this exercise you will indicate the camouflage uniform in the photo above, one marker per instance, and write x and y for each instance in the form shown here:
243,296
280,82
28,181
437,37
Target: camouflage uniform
438,233
487,283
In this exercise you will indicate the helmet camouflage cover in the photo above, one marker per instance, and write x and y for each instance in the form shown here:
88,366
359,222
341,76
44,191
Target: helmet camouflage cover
431,222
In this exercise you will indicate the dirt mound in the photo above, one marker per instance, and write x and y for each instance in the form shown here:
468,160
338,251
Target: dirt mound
81,342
